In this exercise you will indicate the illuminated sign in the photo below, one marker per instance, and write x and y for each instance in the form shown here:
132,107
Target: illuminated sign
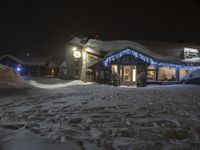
77,54
191,53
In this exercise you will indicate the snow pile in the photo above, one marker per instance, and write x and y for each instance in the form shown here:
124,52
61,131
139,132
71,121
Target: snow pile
9,78
59,85
8,74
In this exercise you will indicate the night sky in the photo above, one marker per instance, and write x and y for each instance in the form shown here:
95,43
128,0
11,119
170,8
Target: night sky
43,28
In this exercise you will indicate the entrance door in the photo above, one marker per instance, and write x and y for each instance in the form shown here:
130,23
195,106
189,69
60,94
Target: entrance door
129,75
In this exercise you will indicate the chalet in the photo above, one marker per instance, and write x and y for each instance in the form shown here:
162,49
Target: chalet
128,62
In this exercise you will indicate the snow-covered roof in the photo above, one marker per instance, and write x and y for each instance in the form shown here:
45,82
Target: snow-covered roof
54,63
159,50
13,58
117,45
164,51
64,64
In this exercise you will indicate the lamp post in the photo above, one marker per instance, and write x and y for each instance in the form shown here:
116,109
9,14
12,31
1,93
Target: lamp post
84,66
81,54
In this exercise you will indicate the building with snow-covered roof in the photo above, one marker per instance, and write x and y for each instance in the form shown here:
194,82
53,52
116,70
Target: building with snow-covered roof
32,66
127,62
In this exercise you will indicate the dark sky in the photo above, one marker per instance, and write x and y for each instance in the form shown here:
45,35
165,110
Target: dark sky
45,27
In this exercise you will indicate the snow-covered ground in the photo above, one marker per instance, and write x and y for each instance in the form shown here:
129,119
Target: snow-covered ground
97,117
56,85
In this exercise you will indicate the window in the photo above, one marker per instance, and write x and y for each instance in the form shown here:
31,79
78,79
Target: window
134,74
121,72
183,73
114,69
127,73
167,74
151,73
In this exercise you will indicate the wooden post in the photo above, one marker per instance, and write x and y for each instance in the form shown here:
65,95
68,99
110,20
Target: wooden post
84,67
177,74
157,72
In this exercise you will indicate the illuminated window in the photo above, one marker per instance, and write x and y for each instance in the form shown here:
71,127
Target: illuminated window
151,73
114,69
167,74
134,74
121,72
183,73
127,73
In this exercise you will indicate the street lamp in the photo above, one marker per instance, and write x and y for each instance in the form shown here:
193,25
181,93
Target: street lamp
74,48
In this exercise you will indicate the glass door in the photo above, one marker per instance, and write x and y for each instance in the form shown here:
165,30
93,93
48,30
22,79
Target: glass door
127,73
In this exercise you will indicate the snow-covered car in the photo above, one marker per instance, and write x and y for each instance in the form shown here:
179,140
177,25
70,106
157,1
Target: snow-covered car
192,78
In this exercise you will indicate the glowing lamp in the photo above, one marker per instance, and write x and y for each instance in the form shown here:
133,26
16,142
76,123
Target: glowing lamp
77,54
18,69
74,48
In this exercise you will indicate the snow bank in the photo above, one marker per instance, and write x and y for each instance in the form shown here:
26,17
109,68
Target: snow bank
8,74
25,140
60,85
9,78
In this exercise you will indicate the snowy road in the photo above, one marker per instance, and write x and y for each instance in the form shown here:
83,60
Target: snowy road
104,117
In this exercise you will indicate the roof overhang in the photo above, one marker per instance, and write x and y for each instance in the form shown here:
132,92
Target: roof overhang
148,59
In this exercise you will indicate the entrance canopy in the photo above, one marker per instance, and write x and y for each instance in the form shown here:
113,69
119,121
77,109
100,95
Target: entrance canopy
150,60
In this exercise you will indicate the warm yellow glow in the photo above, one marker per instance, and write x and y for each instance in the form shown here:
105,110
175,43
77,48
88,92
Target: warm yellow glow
134,74
151,73
127,73
77,54
84,55
167,74
183,73
74,48
114,69
87,49
52,72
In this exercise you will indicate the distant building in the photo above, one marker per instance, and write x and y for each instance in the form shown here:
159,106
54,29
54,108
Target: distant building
32,66
12,62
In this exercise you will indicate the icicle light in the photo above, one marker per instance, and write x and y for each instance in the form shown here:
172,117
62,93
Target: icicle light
147,59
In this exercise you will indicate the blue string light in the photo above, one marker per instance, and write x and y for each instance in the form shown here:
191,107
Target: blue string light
18,69
147,59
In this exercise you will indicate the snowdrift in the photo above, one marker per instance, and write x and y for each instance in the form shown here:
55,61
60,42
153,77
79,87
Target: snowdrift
10,79
25,140
59,85
8,74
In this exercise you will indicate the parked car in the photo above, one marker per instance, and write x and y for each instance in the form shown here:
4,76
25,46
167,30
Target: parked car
191,78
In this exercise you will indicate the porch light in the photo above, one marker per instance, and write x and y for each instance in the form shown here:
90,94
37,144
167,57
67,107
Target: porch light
77,54
74,48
